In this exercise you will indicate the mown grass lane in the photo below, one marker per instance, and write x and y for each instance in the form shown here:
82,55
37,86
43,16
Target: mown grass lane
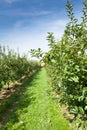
34,109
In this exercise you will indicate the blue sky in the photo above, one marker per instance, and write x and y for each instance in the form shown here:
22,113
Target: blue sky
24,23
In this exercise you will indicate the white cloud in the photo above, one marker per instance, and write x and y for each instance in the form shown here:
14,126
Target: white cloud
20,12
10,1
56,26
34,13
33,37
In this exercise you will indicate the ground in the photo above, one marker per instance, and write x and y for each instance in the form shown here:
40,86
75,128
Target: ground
34,107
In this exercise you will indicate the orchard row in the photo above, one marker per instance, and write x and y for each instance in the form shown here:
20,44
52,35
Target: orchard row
13,66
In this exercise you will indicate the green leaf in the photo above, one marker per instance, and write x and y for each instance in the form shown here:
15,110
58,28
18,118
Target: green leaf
74,110
81,110
75,79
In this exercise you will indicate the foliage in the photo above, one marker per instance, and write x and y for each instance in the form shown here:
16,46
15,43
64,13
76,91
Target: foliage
13,66
67,63
36,53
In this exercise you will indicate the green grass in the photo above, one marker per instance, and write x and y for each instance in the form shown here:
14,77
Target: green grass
35,109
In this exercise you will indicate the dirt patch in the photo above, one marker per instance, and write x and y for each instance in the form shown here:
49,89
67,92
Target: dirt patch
5,93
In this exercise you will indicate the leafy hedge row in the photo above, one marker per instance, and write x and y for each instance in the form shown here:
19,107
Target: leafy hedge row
67,63
13,66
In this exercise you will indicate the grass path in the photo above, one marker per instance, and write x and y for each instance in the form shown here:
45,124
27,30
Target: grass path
34,109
